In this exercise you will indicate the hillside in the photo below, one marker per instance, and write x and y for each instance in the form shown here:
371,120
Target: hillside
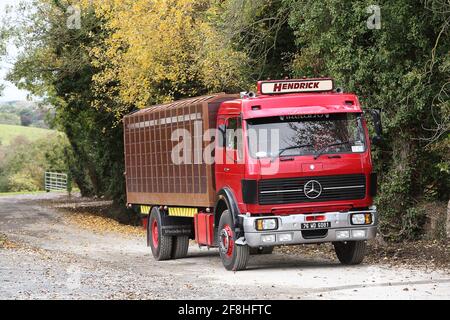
9,132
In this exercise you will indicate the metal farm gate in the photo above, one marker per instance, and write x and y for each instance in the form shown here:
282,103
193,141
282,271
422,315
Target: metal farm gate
55,181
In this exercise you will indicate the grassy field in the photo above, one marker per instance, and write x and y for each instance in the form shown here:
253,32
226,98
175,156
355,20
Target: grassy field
9,132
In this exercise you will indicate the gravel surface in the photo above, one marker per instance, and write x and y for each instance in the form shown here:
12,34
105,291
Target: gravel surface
48,253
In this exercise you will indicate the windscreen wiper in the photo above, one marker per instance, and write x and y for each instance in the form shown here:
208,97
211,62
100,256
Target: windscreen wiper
290,148
322,150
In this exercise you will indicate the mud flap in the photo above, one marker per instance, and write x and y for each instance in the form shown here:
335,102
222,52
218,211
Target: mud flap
176,226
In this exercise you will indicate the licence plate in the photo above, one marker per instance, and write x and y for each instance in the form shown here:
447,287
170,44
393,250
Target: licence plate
316,225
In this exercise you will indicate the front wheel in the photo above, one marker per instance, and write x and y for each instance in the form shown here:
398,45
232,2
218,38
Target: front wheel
234,257
350,252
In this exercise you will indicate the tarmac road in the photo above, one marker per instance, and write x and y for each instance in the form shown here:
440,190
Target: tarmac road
55,259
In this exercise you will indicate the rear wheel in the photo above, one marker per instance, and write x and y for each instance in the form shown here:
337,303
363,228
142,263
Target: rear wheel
261,250
350,252
180,247
234,257
161,245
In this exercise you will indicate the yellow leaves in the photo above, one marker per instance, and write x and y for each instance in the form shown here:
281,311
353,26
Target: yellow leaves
102,225
5,243
157,49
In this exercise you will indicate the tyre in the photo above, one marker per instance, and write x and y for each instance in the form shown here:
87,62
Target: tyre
261,250
161,245
180,246
350,252
234,257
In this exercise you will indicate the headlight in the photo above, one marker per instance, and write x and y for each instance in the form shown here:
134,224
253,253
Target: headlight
362,218
266,224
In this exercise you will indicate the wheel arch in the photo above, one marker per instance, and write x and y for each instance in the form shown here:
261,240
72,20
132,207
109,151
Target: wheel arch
227,201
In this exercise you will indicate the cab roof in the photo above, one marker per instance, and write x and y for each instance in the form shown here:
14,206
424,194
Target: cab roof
292,104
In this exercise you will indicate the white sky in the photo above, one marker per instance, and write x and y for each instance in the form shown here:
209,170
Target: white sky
10,91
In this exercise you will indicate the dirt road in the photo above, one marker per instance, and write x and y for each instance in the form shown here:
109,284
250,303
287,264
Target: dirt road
46,256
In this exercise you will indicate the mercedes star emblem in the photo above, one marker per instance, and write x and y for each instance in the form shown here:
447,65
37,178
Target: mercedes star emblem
312,189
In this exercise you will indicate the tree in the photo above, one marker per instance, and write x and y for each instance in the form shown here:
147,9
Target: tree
56,65
157,51
260,29
3,36
128,54
400,68
124,55
25,118
23,164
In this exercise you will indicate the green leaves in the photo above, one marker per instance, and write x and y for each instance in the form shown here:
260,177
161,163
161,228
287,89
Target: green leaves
129,54
24,163
387,68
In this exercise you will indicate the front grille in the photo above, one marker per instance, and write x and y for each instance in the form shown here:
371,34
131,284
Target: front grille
292,190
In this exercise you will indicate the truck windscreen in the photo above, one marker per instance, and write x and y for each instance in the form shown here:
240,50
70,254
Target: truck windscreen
299,135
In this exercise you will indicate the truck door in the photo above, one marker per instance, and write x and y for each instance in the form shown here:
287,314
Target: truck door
231,171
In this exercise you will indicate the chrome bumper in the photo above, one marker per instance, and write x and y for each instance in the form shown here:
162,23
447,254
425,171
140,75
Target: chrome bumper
340,221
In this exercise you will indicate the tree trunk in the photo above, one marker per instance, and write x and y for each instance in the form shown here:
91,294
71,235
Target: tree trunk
79,167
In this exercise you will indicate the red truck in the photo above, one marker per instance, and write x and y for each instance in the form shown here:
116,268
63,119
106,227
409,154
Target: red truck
288,165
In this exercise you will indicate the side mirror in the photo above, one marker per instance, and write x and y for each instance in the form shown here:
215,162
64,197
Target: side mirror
376,118
376,140
222,135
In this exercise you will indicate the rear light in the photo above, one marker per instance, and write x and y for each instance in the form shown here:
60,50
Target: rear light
266,224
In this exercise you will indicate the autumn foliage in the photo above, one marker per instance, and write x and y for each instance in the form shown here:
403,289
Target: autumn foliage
129,54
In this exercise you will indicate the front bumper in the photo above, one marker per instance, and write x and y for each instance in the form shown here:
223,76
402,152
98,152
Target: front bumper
340,221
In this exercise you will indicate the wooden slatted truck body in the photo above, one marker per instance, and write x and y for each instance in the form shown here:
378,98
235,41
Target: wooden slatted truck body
289,166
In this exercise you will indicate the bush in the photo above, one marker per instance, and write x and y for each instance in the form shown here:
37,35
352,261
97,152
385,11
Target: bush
23,164
9,118
21,182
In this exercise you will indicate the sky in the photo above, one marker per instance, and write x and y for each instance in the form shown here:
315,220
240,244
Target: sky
10,91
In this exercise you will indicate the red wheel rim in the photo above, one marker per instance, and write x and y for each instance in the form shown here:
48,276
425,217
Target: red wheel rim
226,240
155,233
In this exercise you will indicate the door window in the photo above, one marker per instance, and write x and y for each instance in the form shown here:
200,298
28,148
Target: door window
234,137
